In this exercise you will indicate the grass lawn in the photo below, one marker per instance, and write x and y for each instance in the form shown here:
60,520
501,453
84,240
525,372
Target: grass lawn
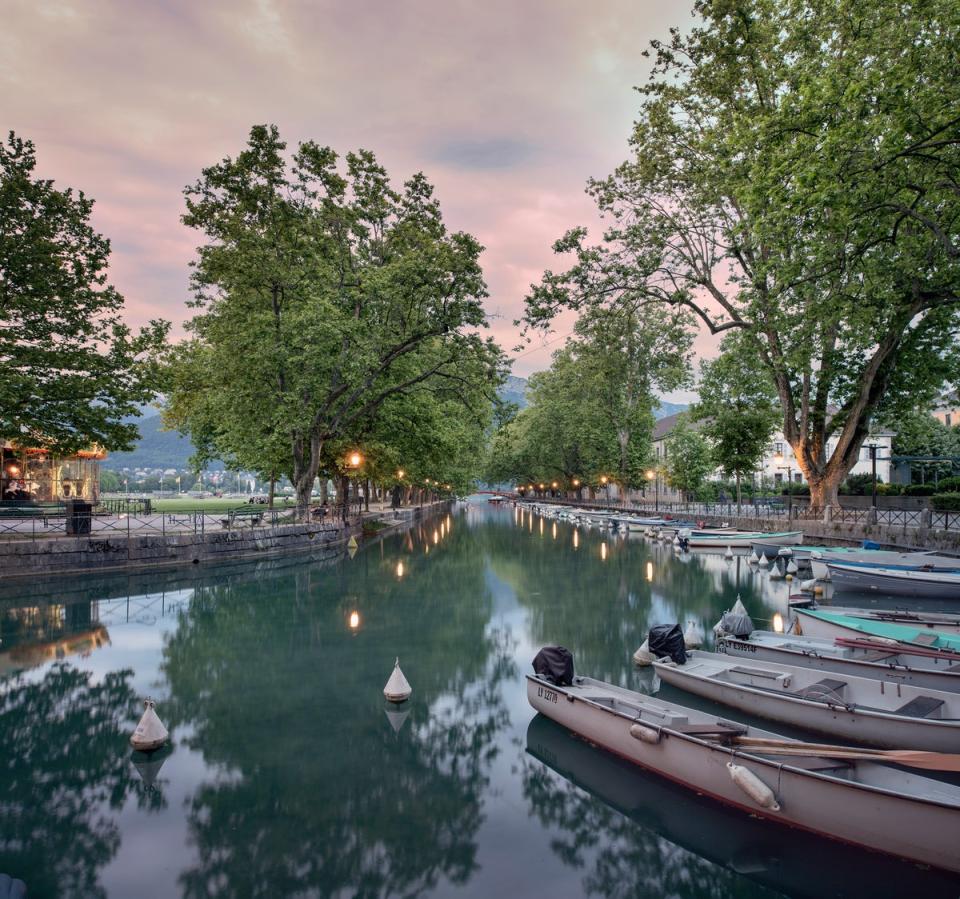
213,504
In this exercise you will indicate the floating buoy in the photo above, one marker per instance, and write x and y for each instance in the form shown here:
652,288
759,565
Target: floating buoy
693,636
738,607
818,590
791,567
789,577
755,788
807,586
728,555
352,542
645,734
753,558
397,688
763,561
775,573
150,733
643,656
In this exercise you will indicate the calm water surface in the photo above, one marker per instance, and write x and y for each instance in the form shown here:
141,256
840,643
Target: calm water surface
289,775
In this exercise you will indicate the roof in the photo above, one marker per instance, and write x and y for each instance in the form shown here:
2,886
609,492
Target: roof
665,425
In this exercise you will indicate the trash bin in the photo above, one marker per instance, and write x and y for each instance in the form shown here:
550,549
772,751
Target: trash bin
79,514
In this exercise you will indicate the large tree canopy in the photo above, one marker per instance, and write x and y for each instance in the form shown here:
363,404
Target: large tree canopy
322,295
70,369
796,175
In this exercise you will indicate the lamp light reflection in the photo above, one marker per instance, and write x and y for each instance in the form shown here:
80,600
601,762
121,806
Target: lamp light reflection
778,623
436,537
541,527
650,572
576,539
354,621
603,552
400,568
554,530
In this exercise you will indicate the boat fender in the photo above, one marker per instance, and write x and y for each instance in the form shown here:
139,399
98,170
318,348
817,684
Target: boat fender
645,734
643,656
753,786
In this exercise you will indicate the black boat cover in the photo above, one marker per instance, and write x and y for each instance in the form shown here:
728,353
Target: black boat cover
667,640
555,664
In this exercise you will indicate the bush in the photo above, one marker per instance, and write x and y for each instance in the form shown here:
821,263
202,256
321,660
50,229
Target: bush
795,489
919,490
889,489
859,485
948,485
946,502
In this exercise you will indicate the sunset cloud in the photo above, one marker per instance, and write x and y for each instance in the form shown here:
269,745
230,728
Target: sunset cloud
507,107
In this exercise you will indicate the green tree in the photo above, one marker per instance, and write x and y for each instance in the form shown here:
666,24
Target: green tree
71,370
688,458
737,408
320,296
918,433
794,176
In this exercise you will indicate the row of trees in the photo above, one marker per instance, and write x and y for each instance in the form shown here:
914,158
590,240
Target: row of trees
337,324
794,178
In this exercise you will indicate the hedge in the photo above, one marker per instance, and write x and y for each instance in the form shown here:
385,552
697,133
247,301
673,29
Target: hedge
920,490
948,485
946,502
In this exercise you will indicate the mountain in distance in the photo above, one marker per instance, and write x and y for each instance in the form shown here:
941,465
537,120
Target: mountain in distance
669,409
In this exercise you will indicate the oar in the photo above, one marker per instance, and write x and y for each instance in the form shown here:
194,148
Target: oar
912,758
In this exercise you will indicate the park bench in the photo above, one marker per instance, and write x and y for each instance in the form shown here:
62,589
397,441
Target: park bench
244,513
13,511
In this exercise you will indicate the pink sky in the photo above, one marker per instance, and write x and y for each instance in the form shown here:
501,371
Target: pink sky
508,107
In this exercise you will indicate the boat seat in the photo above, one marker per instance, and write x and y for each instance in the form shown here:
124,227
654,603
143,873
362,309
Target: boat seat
825,689
954,669
926,639
921,707
718,729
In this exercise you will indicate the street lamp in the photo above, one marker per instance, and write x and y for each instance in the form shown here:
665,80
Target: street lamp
652,476
789,469
873,471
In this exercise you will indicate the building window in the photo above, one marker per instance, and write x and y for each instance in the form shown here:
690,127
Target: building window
778,478
778,449
798,477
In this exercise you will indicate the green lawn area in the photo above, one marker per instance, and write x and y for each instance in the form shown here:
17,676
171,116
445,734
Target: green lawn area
212,505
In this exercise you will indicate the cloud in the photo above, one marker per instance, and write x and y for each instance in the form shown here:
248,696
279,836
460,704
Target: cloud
507,107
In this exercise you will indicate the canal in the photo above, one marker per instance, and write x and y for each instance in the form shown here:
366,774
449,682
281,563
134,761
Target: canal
289,774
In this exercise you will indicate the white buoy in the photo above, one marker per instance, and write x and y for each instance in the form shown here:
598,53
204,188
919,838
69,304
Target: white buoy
738,607
775,573
791,567
693,636
397,688
807,586
753,558
643,656
728,555
150,733
763,562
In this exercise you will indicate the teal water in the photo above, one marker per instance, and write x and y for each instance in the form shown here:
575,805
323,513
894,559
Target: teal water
289,775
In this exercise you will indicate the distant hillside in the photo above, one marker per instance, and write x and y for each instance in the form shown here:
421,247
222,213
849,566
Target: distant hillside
156,448
515,391
669,409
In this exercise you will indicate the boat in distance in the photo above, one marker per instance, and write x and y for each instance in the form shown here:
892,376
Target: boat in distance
744,539
820,556
832,624
887,714
861,658
917,582
862,802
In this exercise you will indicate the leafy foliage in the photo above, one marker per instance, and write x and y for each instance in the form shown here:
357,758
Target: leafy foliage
689,458
71,369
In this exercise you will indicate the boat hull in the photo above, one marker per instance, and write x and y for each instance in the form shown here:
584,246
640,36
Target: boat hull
891,582
900,825
744,540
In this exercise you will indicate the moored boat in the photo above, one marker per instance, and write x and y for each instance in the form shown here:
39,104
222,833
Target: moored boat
878,557
916,582
823,623
948,622
861,658
861,802
745,539
878,713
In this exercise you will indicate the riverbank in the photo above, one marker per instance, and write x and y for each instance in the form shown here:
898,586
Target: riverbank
118,551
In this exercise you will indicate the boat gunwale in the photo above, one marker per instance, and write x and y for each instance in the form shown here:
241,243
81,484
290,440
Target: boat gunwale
738,753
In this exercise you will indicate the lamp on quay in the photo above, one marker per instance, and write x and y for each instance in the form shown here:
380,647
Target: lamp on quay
652,476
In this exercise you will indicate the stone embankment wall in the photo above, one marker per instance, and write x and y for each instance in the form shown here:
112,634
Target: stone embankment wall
60,555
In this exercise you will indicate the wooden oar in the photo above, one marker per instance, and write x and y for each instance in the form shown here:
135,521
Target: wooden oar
912,758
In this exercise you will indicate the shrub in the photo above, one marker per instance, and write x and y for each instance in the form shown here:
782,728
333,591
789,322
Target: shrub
889,489
859,485
919,490
946,502
795,489
948,485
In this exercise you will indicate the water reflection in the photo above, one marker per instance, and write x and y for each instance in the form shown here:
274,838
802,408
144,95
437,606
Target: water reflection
629,833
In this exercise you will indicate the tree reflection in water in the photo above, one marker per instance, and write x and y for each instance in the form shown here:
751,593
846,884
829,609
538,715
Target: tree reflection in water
63,764
317,793
636,834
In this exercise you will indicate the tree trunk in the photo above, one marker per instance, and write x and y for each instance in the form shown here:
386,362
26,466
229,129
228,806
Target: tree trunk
324,491
306,465
738,493
824,490
273,489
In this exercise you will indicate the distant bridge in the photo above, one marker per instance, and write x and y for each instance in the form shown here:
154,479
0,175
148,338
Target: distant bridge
508,493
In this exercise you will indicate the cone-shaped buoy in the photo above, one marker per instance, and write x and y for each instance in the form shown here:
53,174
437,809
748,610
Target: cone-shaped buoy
791,567
693,636
397,688
775,573
150,733
753,558
807,586
738,607
763,561
643,656
728,554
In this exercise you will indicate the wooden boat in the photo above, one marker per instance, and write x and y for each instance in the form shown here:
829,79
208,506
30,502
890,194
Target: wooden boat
860,658
917,582
821,623
860,802
823,555
667,818
948,622
878,713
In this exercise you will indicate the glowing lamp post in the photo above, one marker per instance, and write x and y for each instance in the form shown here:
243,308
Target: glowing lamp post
652,476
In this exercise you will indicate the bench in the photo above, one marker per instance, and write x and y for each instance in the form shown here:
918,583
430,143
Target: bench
826,690
921,707
245,513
